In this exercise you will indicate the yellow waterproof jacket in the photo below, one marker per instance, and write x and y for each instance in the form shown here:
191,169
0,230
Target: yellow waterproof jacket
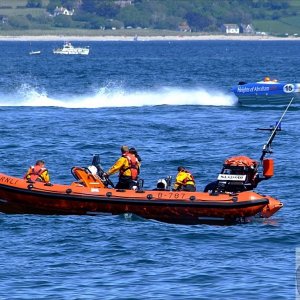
41,174
122,164
183,178
45,175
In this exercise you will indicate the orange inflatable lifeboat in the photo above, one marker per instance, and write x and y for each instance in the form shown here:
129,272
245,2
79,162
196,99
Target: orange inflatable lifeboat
228,200
90,194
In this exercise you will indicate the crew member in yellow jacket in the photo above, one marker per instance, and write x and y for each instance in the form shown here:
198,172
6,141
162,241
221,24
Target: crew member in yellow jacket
184,181
128,166
38,172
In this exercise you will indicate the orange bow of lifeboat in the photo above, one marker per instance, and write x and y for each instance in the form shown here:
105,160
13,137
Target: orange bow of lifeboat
273,206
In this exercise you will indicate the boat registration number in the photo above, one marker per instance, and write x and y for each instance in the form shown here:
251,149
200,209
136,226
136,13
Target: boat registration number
232,177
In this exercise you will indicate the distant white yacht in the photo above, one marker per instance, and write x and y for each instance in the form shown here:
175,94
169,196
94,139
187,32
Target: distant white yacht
34,52
69,49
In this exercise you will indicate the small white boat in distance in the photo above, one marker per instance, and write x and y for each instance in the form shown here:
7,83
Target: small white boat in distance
34,52
69,49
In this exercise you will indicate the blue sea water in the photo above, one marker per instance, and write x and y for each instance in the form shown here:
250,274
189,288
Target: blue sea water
171,101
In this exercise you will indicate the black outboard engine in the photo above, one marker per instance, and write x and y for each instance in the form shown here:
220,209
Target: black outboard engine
238,174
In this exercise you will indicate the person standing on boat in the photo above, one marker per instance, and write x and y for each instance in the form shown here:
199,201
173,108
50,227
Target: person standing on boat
184,181
38,172
128,166
133,151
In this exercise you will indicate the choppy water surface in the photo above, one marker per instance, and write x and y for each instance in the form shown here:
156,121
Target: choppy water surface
171,101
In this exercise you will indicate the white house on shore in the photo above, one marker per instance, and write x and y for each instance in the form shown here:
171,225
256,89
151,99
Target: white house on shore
230,28
124,3
62,11
184,27
247,29
237,29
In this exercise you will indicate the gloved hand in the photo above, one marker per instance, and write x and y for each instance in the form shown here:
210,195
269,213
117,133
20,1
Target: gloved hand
105,174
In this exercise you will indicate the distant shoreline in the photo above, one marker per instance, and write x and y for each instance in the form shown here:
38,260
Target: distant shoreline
146,38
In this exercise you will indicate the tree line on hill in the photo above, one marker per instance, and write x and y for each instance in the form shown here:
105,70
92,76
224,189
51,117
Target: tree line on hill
191,15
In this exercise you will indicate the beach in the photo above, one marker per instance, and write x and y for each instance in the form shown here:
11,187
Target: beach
146,38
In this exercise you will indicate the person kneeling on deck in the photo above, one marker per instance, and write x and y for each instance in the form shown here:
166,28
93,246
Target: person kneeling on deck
184,181
128,167
38,172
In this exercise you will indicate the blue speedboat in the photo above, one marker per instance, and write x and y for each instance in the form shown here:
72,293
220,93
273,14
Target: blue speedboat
266,91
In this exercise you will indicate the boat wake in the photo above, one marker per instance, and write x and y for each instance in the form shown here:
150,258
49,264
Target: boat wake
116,97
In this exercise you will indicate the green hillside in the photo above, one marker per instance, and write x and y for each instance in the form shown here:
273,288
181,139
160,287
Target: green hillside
275,17
18,8
290,26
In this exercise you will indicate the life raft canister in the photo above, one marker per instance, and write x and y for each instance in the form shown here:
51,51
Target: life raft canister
241,161
268,167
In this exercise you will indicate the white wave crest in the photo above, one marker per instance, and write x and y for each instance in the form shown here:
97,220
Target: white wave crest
115,97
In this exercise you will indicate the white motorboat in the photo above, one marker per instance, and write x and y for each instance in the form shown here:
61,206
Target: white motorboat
34,52
69,49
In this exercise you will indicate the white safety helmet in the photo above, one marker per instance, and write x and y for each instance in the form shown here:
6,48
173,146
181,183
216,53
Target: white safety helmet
161,184
93,170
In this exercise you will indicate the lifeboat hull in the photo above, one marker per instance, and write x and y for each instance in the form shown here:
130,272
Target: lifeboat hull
17,196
